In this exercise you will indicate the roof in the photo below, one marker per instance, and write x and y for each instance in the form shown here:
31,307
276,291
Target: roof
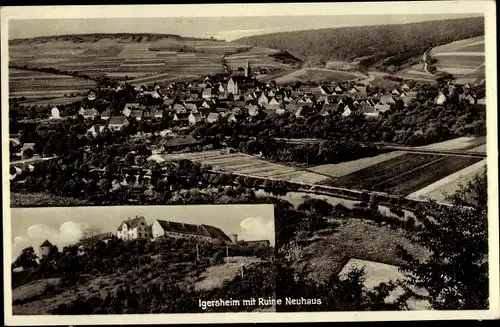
131,223
182,116
184,140
213,115
131,105
90,112
118,120
28,146
136,113
201,230
46,244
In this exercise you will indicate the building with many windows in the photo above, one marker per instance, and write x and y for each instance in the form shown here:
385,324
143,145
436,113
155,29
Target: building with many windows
133,229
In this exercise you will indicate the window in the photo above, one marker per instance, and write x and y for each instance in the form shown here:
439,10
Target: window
145,234
142,223
140,235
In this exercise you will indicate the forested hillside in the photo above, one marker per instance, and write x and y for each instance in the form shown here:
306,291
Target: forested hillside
378,46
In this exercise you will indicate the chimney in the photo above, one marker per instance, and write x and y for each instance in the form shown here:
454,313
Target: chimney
234,238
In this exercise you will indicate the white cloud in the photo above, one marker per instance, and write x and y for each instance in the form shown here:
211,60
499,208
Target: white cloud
257,228
68,233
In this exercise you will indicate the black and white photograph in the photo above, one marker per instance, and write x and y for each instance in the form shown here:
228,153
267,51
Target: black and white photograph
281,162
142,259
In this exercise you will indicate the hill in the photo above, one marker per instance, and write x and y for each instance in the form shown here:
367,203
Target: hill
464,59
387,47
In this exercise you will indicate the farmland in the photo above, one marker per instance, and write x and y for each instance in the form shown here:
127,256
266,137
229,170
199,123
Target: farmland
244,164
403,174
463,59
35,86
317,75
450,184
169,59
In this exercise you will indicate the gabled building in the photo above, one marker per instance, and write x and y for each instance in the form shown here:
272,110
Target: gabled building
136,114
176,230
117,123
440,99
90,114
133,229
45,248
194,118
213,117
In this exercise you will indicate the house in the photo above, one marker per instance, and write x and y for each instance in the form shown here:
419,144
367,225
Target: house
168,101
133,229
469,98
481,101
347,111
179,143
90,113
206,104
367,110
207,93
137,114
273,102
396,92
324,90
382,107
440,99
158,113
117,123
263,100
206,233
182,118
194,118
405,87
54,113
191,107
130,106
304,111
179,108
45,248
253,110
232,87
407,101
387,99
213,117
96,129
234,117
106,114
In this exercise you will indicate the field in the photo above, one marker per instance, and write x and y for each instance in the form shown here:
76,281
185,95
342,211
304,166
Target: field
461,143
258,57
417,73
169,59
450,184
35,86
344,168
239,163
318,75
463,59
403,174
215,276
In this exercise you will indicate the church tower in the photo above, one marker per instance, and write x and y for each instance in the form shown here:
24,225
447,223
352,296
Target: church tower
247,69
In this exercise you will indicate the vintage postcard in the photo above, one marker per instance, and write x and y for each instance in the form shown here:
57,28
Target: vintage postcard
250,163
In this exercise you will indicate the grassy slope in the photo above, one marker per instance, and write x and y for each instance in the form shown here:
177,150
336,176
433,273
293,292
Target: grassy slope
354,238
382,41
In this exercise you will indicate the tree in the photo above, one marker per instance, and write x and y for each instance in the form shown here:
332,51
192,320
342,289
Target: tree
456,272
89,237
27,259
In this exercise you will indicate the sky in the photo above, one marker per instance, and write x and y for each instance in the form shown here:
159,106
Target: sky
227,28
64,225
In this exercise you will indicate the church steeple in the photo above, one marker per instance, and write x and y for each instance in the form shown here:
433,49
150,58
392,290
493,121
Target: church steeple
247,69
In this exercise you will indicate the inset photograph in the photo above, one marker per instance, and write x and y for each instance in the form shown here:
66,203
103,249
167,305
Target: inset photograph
142,259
